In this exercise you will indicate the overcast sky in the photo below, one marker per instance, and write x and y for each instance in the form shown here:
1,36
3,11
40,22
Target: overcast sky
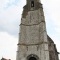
10,16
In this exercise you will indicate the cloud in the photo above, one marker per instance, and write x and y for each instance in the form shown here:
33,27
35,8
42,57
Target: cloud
8,3
54,10
2,4
12,2
9,20
52,14
8,45
10,17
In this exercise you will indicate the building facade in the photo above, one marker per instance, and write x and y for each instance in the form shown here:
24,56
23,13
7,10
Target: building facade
34,43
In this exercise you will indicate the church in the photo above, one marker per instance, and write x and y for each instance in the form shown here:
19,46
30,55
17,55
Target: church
34,43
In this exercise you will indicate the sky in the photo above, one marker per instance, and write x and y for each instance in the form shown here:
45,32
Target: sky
10,18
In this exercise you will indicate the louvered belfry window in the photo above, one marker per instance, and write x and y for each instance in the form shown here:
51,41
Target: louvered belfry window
32,3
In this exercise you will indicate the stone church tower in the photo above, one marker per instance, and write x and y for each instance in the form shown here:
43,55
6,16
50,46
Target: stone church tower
34,43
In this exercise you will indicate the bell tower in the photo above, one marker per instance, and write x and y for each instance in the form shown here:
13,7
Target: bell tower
33,43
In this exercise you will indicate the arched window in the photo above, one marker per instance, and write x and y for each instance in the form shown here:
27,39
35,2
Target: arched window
32,3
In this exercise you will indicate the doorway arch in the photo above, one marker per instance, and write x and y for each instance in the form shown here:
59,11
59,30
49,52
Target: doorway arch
32,57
